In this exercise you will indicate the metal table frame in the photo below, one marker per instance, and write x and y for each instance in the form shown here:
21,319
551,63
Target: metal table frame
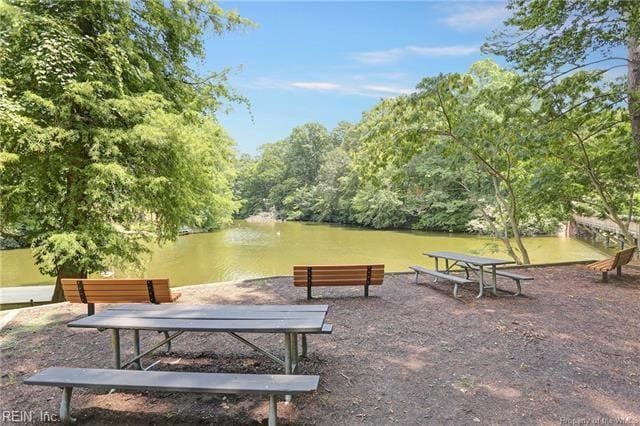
290,362
476,264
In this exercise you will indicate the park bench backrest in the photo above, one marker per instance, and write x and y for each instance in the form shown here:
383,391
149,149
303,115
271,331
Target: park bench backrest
623,257
337,275
130,290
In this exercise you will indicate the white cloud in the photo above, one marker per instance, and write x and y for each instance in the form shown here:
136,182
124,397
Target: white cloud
393,55
392,90
316,85
475,16
372,90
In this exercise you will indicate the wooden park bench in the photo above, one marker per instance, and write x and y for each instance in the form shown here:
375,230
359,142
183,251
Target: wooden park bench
169,381
456,280
617,262
129,290
337,275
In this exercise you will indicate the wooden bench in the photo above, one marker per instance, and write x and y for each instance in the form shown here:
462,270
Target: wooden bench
337,275
456,280
516,277
617,262
129,290
168,381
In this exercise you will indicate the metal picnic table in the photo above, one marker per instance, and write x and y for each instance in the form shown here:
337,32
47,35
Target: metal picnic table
476,264
174,320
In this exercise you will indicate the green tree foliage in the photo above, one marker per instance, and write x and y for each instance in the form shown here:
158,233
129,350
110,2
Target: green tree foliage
107,136
592,141
550,39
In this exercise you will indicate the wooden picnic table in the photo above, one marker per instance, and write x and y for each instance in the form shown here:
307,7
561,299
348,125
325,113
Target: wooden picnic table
174,320
477,264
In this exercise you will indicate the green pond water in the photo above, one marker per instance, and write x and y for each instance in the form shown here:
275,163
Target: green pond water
250,250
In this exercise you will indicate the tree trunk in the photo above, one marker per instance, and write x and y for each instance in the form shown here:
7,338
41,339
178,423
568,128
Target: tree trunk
64,272
509,219
634,95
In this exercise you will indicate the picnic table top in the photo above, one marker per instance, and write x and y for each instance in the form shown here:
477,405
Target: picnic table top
467,258
212,318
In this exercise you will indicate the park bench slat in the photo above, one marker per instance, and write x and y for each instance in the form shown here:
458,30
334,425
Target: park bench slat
130,290
212,315
453,278
450,277
514,276
172,381
231,325
337,274
336,282
218,308
340,267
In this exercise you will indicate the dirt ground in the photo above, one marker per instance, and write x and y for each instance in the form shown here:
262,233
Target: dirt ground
567,352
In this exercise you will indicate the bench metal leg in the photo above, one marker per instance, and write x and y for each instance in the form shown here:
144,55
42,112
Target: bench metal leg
455,289
136,349
91,309
605,277
519,291
494,280
273,410
115,342
287,359
294,352
65,406
619,271
481,285
417,277
166,336
303,341
257,348
148,351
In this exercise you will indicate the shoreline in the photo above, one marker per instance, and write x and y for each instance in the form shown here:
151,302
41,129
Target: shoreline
31,303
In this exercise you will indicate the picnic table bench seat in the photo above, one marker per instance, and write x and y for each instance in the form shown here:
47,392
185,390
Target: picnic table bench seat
337,275
507,274
620,259
126,290
169,381
436,274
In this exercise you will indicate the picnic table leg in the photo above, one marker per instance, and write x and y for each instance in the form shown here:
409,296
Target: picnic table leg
481,292
303,341
65,406
446,264
273,410
115,342
287,359
294,351
494,280
519,291
136,348
436,259
166,336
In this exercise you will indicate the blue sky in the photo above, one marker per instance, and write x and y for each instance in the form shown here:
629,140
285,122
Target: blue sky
330,61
